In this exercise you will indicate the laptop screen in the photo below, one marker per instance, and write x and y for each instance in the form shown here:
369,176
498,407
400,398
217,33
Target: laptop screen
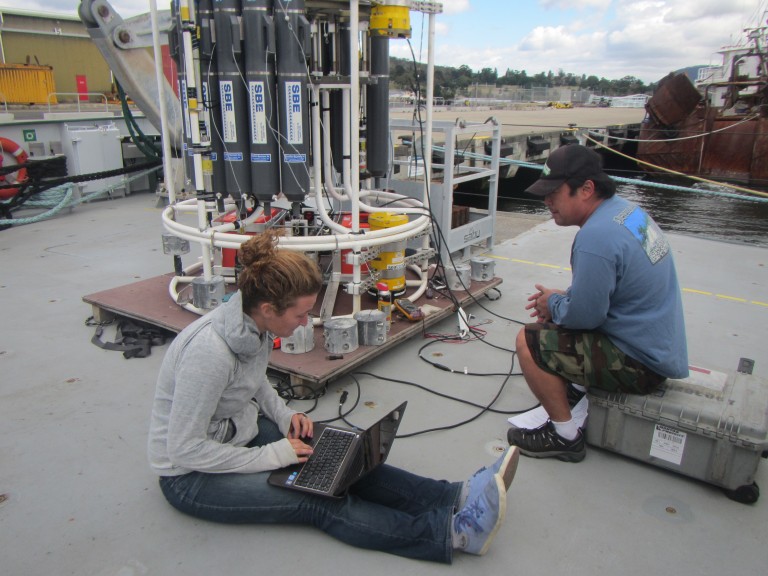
378,439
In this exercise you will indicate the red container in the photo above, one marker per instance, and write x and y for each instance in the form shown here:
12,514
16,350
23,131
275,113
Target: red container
228,255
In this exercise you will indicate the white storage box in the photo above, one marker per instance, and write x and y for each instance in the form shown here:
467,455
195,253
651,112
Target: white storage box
94,149
711,426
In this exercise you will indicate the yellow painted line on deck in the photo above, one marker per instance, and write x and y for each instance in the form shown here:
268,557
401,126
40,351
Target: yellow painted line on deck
530,262
691,290
688,290
732,298
726,297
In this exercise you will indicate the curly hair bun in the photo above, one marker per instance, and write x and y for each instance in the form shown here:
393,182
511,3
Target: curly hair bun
275,276
260,250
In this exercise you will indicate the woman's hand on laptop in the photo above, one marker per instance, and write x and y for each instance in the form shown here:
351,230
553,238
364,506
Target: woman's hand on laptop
303,451
301,426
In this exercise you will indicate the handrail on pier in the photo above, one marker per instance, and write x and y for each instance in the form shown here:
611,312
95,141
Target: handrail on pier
89,94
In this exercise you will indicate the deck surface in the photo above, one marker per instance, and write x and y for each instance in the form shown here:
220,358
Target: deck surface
78,497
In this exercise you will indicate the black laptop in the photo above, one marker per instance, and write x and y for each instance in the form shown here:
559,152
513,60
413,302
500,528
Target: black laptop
341,457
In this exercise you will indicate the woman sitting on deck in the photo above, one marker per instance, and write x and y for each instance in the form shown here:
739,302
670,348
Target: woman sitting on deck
218,428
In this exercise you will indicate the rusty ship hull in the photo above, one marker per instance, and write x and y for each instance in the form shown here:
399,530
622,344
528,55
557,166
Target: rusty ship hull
683,134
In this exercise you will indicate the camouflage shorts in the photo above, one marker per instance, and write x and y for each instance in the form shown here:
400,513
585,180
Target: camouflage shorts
589,359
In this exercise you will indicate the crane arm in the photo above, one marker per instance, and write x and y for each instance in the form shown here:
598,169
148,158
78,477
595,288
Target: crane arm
123,45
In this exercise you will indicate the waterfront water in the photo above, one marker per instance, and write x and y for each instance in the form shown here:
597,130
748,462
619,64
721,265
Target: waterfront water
689,213
696,214
677,212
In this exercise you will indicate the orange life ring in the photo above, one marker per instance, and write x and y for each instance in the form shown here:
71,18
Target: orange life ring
10,147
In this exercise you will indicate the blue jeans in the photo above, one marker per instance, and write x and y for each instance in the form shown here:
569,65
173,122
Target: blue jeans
390,510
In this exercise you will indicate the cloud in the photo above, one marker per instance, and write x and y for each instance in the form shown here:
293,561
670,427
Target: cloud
684,11
645,38
607,38
673,35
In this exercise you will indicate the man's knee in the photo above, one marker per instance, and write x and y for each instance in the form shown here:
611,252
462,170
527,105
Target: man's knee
524,353
520,343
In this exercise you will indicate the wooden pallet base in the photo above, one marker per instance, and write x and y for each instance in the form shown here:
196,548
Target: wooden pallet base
149,301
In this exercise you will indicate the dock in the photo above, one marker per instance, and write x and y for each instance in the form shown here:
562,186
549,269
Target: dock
529,132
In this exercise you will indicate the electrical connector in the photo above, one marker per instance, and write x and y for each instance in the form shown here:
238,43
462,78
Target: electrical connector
463,324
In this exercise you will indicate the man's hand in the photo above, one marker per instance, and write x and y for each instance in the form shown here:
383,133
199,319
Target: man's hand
538,303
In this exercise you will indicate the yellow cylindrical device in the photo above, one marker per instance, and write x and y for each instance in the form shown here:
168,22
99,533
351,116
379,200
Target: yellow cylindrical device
391,19
390,263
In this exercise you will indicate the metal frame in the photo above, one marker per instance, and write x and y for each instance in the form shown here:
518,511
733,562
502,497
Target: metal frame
481,226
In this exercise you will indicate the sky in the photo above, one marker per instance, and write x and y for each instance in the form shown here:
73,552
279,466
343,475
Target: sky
611,39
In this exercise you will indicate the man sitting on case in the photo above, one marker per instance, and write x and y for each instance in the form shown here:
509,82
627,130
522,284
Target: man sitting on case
619,326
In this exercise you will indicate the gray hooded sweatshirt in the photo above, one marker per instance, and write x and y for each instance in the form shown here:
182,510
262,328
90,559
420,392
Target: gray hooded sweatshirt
210,389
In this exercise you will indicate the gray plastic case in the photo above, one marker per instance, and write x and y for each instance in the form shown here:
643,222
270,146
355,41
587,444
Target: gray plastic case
711,426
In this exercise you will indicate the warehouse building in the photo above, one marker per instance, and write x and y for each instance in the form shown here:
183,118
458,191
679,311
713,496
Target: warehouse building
47,57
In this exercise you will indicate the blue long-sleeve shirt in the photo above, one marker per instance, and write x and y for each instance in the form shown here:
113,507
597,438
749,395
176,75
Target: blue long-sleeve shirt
625,286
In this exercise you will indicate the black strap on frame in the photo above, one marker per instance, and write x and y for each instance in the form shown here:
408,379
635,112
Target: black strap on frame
134,339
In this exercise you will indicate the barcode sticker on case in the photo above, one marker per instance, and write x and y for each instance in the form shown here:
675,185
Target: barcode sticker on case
668,444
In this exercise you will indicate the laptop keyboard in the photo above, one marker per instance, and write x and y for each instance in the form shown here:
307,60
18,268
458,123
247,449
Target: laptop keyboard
328,454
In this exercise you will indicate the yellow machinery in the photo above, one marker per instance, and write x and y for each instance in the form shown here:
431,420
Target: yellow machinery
390,263
391,19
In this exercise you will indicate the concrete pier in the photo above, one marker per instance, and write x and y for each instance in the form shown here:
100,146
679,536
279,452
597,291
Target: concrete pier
530,132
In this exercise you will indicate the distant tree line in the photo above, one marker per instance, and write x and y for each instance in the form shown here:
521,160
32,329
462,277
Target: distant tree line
450,82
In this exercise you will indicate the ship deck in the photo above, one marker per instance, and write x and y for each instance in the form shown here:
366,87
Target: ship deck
78,496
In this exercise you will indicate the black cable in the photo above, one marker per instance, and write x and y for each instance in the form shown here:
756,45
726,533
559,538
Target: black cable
145,145
288,392
342,400
449,397
29,188
483,407
469,293
437,237
447,369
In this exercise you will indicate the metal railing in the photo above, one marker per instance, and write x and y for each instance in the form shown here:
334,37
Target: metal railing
78,94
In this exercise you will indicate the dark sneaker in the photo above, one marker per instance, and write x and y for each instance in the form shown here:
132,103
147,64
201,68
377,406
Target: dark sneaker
545,442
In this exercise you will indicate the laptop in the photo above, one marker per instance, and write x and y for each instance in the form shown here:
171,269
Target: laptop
341,457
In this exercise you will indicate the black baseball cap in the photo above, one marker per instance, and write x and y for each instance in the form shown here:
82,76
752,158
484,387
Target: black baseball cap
570,163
